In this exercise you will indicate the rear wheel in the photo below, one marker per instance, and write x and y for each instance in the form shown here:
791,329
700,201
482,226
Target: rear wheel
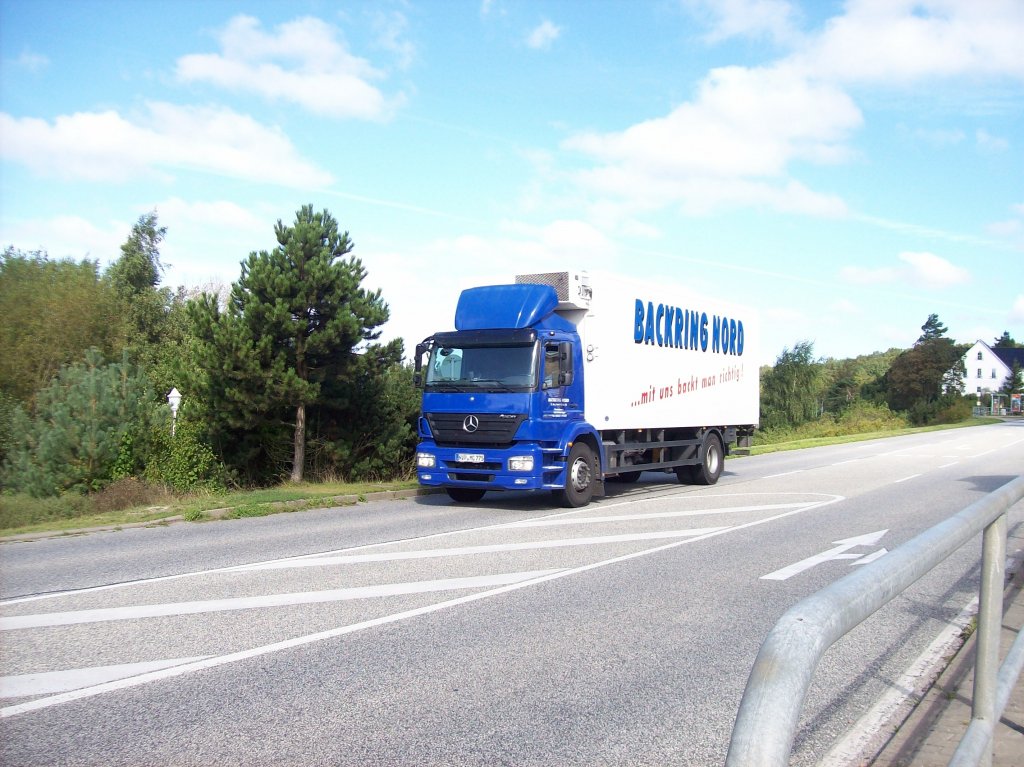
709,469
465,494
580,476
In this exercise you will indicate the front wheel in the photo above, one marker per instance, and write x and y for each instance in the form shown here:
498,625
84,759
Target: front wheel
580,477
465,494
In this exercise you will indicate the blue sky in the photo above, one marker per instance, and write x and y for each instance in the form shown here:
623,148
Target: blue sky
844,168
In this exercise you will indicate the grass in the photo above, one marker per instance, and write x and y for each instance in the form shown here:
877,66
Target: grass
20,514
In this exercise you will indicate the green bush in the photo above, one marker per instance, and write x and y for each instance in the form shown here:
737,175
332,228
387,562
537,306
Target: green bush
184,462
75,437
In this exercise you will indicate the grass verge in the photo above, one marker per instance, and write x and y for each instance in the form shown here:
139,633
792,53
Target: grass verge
21,514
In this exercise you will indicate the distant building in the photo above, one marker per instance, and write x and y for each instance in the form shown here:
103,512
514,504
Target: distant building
988,368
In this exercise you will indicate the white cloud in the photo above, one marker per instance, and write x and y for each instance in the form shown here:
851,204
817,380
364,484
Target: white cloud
934,271
104,146
989,143
68,237
301,62
391,29
900,41
543,35
926,269
744,126
775,19
1017,312
31,62
1007,228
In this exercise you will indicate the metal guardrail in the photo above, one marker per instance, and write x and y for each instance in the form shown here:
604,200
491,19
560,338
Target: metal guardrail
769,712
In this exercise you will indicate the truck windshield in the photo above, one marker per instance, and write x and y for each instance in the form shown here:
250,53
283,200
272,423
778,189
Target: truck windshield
486,368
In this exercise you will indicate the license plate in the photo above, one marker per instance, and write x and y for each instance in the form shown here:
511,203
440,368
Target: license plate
469,457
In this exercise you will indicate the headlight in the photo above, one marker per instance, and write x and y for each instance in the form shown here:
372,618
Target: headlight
425,460
520,463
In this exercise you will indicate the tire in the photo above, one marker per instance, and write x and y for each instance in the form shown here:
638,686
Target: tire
709,469
465,494
580,477
686,475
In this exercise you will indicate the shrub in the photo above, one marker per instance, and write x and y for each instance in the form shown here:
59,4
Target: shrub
128,493
184,462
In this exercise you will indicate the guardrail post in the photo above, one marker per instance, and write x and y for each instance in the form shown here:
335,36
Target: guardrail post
990,621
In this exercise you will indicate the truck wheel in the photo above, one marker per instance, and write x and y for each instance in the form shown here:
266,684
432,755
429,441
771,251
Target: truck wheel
579,477
709,469
465,494
686,475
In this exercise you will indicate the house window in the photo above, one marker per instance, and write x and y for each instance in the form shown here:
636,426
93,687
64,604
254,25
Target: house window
979,355
979,372
993,372
979,390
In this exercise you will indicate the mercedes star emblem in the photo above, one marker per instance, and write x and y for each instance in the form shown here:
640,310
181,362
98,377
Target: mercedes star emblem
471,424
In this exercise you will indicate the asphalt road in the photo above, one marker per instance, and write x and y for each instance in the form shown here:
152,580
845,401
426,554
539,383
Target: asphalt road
420,632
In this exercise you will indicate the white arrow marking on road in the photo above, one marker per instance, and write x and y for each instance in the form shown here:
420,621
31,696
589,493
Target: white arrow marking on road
839,552
871,557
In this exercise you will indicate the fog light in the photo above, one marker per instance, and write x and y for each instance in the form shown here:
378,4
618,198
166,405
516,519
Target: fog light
425,460
520,463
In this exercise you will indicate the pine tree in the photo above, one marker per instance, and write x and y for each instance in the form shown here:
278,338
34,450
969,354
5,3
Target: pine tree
295,316
77,432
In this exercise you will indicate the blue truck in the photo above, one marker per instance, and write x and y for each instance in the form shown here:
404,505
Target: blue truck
565,381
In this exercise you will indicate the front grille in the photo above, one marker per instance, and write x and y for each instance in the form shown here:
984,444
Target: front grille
493,429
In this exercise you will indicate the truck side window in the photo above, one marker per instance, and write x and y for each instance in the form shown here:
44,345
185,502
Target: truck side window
551,366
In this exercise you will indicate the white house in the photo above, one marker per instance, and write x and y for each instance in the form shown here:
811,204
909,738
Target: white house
988,368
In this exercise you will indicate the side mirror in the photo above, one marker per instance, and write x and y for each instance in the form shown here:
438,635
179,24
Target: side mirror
417,377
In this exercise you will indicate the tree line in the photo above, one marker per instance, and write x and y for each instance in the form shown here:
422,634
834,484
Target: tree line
900,387
284,377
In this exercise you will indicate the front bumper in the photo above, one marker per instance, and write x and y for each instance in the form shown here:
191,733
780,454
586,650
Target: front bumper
488,468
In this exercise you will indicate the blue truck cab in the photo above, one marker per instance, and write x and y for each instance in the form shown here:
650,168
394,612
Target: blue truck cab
503,399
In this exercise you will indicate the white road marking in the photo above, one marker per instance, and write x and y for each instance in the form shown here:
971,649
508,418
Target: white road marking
122,684
867,560
839,552
601,540
783,474
50,682
652,515
906,479
269,600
